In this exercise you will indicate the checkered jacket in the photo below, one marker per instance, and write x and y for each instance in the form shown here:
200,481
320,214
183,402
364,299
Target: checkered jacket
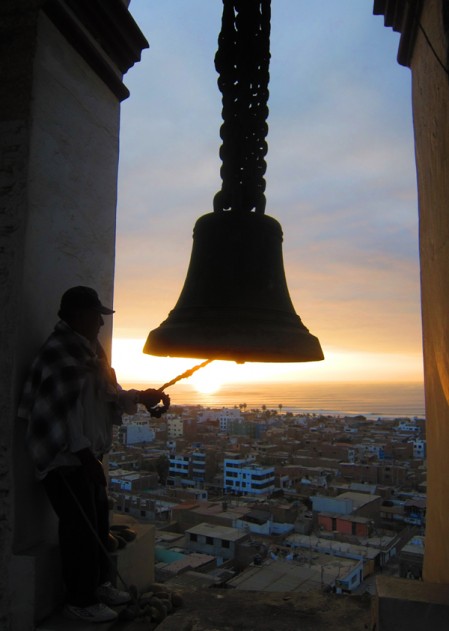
54,383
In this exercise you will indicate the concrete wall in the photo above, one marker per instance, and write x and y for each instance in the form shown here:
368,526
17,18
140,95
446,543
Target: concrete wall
71,199
59,142
68,238
430,89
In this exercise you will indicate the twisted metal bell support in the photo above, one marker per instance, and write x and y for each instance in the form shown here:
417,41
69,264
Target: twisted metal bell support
235,303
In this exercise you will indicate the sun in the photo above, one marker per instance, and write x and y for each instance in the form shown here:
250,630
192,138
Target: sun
206,383
212,377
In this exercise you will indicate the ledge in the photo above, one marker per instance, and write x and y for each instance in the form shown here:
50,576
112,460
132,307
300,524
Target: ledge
403,16
104,33
413,605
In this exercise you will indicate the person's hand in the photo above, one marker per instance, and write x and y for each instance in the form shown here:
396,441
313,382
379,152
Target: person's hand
161,409
165,401
150,397
92,467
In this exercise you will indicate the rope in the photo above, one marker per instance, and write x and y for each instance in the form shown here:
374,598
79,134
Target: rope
184,375
242,62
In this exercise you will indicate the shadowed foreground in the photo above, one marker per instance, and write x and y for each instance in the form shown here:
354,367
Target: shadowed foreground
237,610
234,610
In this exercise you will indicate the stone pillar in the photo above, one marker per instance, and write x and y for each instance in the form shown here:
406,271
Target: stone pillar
430,90
61,86
424,25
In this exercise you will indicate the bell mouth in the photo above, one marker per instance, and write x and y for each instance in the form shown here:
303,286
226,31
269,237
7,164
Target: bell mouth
235,303
234,334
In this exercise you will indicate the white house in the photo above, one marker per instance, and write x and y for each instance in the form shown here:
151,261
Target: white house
241,475
137,431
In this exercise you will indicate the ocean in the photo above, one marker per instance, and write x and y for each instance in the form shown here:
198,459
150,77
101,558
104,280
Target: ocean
370,400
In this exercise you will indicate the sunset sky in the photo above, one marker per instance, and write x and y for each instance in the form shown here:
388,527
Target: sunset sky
340,180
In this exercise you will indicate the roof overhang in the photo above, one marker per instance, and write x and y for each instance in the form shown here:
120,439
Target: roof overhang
403,16
104,33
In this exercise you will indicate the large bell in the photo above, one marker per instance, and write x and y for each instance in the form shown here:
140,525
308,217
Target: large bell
235,303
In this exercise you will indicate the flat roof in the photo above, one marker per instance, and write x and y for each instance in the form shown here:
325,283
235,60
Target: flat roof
358,499
292,576
185,506
217,508
119,473
337,548
213,530
355,518
418,502
125,475
167,537
260,516
182,561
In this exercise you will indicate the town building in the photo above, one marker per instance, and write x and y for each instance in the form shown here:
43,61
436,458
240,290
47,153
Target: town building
136,431
219,541
242,475
349,503
411,558
189,469
175,427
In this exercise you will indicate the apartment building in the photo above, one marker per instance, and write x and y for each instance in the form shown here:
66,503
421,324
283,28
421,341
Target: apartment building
188,468
242,475
175,427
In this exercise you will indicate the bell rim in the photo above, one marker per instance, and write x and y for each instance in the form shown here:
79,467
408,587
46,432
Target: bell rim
285,344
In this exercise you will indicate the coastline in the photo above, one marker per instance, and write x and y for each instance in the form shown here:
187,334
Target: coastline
334,398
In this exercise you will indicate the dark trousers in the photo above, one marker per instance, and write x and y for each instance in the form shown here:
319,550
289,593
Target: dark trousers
85,565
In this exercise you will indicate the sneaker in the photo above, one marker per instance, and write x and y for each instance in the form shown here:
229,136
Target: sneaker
92,613
112,596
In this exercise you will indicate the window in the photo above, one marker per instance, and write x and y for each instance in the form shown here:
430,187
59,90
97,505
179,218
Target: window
209,541
225,544
193,536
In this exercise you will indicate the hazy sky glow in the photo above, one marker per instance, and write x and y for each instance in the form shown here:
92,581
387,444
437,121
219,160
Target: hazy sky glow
340,180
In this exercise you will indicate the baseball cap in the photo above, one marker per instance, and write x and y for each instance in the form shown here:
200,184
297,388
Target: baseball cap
77,298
